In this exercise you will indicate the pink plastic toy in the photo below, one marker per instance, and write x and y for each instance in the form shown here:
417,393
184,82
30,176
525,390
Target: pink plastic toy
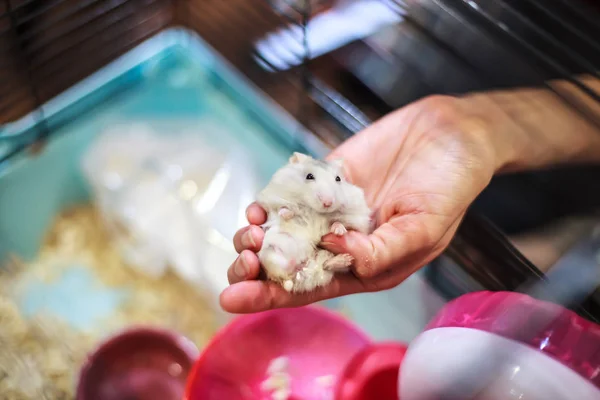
484,346
139,363
476,336
318,343
500,346
372,373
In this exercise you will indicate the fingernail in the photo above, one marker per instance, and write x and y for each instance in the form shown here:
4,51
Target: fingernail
240,269
248,240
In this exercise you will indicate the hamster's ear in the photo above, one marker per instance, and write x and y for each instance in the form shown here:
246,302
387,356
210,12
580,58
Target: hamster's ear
297,158
338,163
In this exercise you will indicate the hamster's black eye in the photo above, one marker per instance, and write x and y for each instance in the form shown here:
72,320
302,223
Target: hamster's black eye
338,179
310,177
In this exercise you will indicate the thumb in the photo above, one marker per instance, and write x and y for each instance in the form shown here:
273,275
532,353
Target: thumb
373,254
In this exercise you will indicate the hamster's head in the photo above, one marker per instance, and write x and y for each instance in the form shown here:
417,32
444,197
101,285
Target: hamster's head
315,183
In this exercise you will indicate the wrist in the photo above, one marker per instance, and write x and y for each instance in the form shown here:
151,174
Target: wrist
504,141
532,128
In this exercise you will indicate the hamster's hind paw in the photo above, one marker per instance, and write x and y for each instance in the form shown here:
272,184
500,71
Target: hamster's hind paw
341,262
286,213
288,285
338,229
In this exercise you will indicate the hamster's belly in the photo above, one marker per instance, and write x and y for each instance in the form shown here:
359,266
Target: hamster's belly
293,244
310,228
299,237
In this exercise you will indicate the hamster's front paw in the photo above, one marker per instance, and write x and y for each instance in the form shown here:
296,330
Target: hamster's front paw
340,263
286,213
338,229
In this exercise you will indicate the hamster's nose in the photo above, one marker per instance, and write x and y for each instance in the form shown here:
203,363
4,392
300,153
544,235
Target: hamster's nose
327,202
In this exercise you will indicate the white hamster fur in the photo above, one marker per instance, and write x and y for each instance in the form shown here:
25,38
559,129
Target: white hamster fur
305,200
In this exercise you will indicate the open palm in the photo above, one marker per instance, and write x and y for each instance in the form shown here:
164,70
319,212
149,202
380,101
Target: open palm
420,167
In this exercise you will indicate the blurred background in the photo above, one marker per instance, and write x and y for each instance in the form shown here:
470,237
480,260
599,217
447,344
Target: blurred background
133,134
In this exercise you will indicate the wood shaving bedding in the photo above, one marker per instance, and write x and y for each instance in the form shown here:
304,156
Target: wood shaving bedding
40,357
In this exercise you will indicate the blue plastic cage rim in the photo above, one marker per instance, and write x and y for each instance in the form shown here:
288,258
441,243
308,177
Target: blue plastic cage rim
152,47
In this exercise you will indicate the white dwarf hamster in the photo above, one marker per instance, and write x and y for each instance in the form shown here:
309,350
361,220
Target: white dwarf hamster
305,200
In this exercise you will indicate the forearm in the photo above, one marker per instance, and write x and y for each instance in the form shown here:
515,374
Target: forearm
535,128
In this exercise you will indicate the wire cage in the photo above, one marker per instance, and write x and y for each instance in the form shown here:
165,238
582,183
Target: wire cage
437,46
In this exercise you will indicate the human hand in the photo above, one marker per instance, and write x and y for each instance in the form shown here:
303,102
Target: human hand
420,168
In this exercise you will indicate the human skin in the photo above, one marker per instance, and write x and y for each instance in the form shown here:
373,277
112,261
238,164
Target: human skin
421,167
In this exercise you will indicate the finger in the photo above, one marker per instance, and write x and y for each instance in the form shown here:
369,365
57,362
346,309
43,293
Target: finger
256,215
392,277
256,296
405,239
248,238
375,253
385,278
334,243
245,267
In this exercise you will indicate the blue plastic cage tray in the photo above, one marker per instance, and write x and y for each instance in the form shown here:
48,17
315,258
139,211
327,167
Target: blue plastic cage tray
173,76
